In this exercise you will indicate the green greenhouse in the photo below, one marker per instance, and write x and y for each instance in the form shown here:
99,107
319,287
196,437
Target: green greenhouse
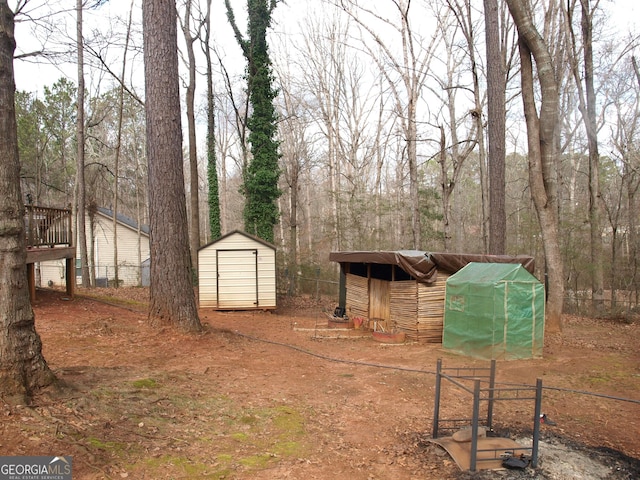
494,311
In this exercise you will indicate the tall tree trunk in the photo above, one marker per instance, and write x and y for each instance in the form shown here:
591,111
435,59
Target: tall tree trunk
587,107
23,369
634,248
541,137
334,175
496,91
595,200
412,156
446,189
309,225
293,223
632,209
172,299
379,156
80,184
464,17
116,166
194,204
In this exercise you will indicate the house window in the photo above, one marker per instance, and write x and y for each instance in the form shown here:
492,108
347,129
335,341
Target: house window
78,267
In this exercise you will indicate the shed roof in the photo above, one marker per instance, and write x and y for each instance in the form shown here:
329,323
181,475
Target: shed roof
423,266
240,232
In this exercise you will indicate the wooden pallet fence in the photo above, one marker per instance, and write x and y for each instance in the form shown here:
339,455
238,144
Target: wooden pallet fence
357,296
431,300
417,309
403,306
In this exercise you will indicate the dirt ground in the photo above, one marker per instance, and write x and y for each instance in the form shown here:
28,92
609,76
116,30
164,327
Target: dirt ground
277,395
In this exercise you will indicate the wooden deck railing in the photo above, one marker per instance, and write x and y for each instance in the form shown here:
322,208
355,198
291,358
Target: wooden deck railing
48,226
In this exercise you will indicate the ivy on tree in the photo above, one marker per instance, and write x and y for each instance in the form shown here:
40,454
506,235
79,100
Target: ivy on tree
260,182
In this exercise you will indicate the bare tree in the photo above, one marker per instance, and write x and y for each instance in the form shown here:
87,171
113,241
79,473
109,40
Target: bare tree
172,297
80,192
621,203
230,145
412,66
118,151
587,106
323,72
194,183
23,369
453,151
295,159
542,129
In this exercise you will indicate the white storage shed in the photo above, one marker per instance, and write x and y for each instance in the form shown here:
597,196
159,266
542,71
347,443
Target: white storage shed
237,272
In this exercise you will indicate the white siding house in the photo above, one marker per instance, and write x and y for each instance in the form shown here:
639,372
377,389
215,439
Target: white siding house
237,272
133,250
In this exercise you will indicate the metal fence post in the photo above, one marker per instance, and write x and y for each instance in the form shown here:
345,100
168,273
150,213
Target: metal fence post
492,384
436,403
536,424
474,426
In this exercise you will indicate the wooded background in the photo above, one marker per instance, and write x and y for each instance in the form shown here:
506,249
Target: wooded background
382,116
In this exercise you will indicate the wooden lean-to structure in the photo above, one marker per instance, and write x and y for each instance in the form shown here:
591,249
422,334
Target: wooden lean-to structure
404,291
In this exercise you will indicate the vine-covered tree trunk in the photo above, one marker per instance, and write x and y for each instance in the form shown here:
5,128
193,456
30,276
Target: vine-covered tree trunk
260,183
172,299
212,170
23,369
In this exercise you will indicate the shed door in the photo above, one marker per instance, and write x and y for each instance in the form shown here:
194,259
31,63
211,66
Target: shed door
379,301
237,278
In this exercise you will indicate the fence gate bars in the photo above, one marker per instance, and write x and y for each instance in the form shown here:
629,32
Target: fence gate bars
483,390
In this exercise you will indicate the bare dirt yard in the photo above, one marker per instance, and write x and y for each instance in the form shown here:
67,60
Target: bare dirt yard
276,395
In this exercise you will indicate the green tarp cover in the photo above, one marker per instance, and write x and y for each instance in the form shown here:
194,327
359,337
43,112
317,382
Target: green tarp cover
494,311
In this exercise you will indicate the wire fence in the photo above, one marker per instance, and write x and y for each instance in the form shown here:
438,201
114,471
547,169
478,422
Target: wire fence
318,284
626,310
315,286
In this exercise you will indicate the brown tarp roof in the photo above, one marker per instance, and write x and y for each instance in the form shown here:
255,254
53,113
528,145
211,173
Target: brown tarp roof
423,266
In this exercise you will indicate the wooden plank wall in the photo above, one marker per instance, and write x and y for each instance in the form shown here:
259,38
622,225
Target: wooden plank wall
417,309
357,296
431,300
404,307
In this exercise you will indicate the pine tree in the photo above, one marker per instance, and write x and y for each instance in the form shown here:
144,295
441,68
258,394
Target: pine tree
172,300
23,369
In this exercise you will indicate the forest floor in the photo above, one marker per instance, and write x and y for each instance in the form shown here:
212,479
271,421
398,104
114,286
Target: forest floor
277,395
